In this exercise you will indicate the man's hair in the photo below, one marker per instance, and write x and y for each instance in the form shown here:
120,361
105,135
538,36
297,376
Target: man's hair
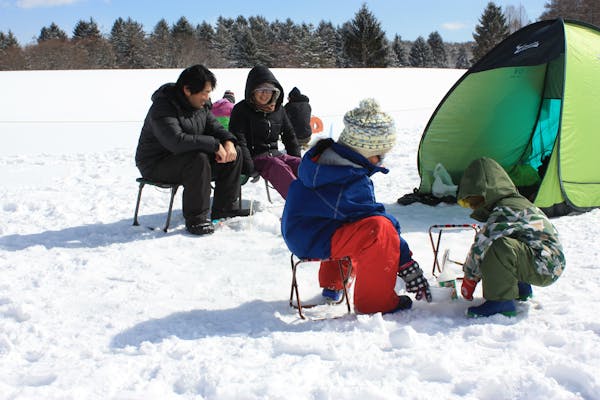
195,78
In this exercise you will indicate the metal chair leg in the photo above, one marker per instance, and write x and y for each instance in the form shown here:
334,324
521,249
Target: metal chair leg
173,192
268,193
436,245
137,205
294,288
345,279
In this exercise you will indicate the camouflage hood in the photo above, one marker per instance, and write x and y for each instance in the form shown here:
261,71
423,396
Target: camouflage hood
485,177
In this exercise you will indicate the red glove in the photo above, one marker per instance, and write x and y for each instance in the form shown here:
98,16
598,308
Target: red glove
467,288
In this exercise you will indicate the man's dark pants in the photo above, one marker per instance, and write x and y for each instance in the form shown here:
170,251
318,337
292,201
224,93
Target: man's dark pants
195,170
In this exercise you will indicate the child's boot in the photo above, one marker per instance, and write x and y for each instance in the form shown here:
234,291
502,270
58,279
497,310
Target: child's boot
332,296
492,307
525,291
404,303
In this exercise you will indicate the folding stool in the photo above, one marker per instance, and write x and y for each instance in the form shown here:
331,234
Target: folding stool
142,182
345,277
436,246
173,186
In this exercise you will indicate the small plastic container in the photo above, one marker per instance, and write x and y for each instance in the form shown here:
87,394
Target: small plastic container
441,293
447,280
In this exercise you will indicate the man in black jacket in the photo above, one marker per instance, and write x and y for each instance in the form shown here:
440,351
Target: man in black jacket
182,142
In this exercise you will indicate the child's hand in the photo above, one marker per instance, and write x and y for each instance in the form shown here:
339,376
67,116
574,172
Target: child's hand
467,288
412,275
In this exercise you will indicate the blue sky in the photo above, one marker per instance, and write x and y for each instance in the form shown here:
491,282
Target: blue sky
455,20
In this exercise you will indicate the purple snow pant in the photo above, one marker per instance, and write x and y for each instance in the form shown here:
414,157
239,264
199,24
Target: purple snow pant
279,170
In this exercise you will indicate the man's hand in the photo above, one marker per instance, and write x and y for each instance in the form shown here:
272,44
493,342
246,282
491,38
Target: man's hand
220,154
230,150
226,153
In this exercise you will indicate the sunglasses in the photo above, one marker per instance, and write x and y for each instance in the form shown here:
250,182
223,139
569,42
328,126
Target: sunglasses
380,159
264,91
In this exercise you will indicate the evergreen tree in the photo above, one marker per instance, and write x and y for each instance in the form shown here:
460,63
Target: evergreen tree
86,30
11,54
205,31
283,45
224,43
182,29
399,52
240,23
53,50
329,45
205,37
364,41
492,29
161,31
438,50
8,41
159,46
263,36
283,31
462,61
246,49
127,38
420,55
52,32
185,47
91,50
307,47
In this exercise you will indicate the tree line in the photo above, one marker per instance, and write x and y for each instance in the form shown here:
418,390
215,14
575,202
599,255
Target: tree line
244,42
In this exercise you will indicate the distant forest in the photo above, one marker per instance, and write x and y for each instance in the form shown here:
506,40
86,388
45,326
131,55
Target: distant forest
245,42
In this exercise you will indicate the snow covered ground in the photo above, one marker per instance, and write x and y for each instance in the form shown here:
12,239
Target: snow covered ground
92,307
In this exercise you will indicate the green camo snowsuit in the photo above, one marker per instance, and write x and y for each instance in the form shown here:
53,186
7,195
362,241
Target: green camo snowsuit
517,241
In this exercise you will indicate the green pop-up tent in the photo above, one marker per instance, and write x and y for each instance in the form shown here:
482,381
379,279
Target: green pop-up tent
533,104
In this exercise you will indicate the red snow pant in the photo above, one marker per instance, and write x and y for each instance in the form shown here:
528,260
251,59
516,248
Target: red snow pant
373,246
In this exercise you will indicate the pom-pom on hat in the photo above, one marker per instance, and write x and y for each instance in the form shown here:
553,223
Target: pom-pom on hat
368,130
295,92
229,96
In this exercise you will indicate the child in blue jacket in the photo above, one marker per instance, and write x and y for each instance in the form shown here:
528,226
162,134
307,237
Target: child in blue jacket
331,212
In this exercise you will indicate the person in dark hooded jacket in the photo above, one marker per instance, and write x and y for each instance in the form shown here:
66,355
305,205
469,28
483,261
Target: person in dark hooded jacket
299,111
259,121
182,142
516,247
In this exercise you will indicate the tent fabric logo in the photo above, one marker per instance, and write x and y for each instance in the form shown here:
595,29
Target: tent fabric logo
522,47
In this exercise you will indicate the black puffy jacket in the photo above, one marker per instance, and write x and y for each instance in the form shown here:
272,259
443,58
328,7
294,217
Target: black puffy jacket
258,132
299,111
173,126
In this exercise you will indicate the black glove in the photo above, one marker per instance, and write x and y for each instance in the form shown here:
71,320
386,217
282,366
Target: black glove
416,283
254,176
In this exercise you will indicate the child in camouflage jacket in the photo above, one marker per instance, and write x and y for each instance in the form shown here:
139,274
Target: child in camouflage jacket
517,246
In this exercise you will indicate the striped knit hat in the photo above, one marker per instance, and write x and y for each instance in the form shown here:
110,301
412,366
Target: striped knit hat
368,130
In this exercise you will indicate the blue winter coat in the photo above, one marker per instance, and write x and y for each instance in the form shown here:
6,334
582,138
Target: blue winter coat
327,195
